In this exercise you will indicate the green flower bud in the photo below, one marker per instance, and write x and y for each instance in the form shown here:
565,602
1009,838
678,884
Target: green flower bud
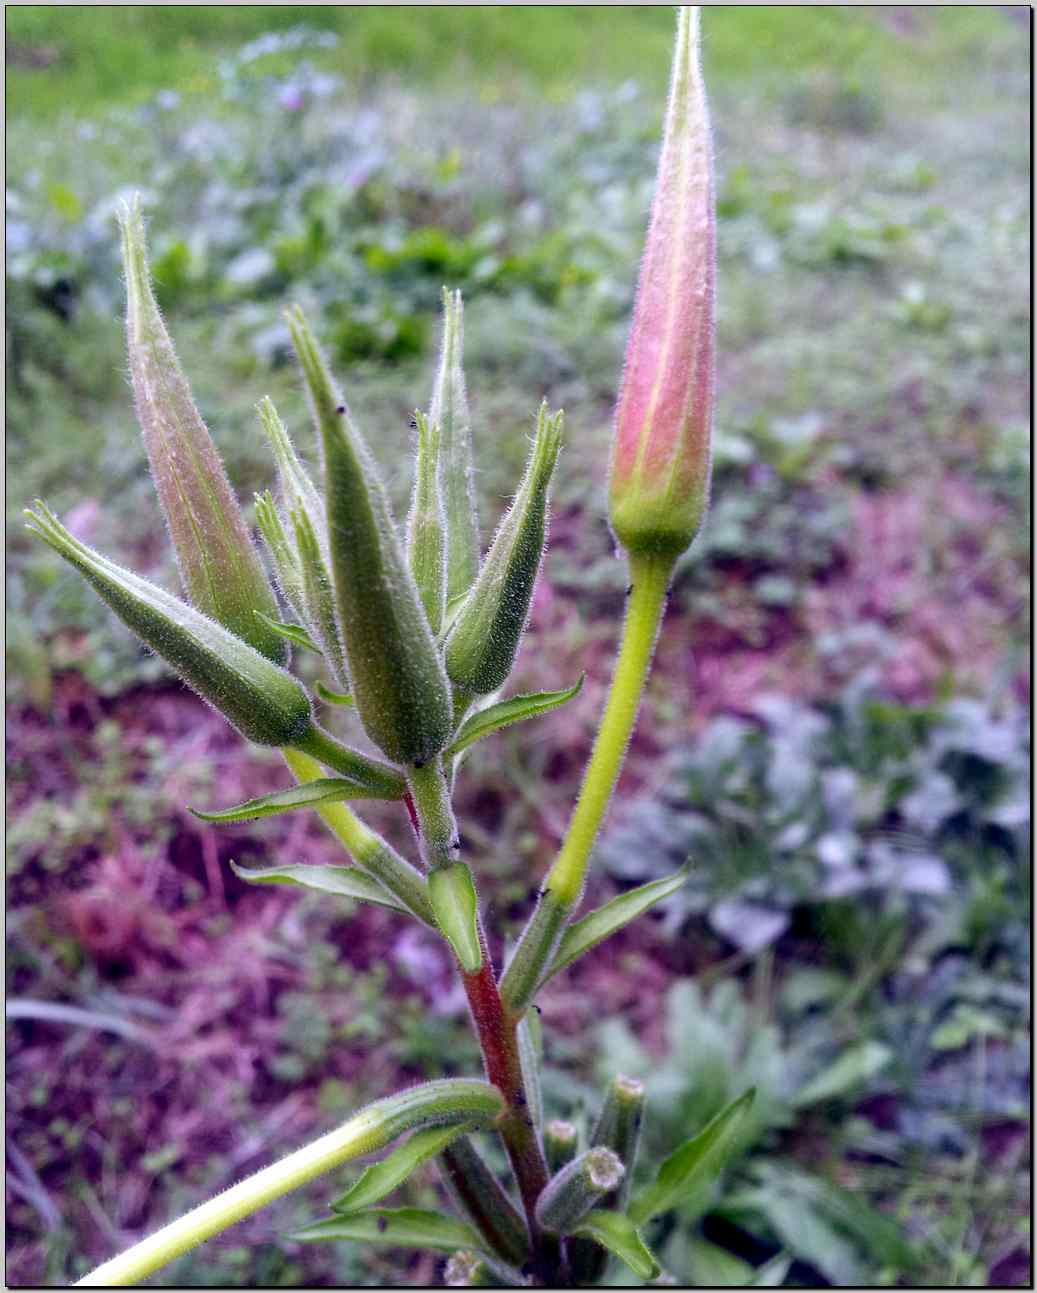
264,702
219,567
560,1142
285,560
298,491
398,681
577,1188
318,597
426,525
619,1127
484,640
449,411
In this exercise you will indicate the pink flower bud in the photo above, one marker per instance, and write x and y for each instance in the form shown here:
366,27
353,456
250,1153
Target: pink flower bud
659,486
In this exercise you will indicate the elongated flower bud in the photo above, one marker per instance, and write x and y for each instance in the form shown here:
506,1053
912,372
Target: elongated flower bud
577,1188
318,596
426,525
398,681
449,411
264,702
661,458
298,490
219,567
285,559
484,640
560,1142
619,1125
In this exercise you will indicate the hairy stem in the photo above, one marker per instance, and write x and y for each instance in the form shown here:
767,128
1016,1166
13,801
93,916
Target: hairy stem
649,580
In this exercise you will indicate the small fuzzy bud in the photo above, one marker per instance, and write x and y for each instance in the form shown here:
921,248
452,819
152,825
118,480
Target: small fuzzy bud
398,682
449,411
577,1188
466,1270
661,456
619,1128
426,525
619,1125
560,1142
264,702
484,640
219,566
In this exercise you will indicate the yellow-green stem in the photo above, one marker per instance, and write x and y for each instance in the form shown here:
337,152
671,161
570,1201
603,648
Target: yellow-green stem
649,578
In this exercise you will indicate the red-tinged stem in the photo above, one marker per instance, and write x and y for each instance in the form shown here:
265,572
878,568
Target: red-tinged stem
498,1038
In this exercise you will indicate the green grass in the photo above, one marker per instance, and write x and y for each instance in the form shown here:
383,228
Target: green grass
86,57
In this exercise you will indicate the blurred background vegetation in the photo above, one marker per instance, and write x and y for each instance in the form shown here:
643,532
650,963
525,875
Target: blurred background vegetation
837,731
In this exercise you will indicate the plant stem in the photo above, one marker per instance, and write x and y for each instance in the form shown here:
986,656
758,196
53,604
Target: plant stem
370,852
563,887
370,1129
650,577
431,797
498,1038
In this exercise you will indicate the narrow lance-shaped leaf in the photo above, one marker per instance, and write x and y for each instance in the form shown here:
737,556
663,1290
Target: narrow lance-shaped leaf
398,681
449,411
286,566
322,791
619,1235
399,1227
333,697
485,638
426,525
454,900
380,1179
295,633
319,596
264,702
219,567
343,881
514,710
701,1157
595,927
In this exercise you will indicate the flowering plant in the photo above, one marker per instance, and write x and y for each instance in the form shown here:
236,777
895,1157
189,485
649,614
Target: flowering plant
418,632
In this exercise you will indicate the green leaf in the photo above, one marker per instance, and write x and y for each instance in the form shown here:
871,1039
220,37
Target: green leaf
333,697
698,1158
584,934
873,1230
380,1179
400,1227
514,710
291,633
455,903
852,1069
307,795
619,1235
344,881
